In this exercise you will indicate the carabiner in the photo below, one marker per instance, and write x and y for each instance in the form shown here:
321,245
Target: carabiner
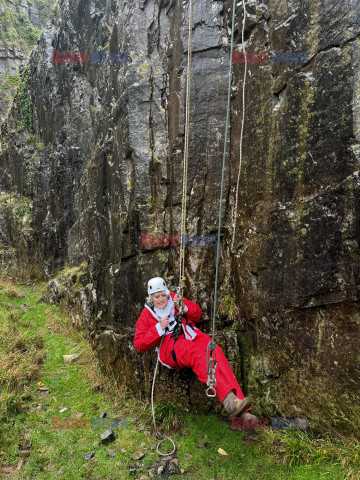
208,394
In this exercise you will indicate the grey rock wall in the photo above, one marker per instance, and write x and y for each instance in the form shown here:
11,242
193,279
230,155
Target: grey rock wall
111,171
11,61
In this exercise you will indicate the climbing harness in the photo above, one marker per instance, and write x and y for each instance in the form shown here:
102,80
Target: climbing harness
210,356
242,129
175,327
178,330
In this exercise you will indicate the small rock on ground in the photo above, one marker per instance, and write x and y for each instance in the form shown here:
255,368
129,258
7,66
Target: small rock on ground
88,455
137,455
70,358
107,436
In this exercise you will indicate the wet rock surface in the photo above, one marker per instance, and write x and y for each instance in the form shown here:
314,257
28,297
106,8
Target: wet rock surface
111,170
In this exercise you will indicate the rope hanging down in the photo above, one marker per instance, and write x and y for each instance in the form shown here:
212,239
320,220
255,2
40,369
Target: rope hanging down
242,128
186,156
211,360
153,415
223,168
183,216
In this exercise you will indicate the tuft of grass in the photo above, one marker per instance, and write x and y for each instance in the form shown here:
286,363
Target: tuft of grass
295,448
9,289
21,356
228,308
35,141
168,417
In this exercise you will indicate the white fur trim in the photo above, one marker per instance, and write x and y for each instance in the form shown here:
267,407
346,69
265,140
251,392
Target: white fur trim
156,318
160,330
189,332
158,352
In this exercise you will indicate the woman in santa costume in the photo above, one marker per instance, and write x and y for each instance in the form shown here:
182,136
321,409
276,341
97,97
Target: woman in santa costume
155,327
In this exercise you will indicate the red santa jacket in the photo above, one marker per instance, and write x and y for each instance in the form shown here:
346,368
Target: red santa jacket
148,332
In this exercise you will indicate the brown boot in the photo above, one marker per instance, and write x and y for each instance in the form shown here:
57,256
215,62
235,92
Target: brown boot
234,406
251,421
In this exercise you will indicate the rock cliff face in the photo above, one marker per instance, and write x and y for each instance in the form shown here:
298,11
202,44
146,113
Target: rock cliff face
21,22
110,166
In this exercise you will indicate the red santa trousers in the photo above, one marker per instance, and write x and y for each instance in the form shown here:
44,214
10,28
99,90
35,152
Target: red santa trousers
192,354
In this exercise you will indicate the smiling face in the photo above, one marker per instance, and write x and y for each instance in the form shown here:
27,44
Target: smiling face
160,299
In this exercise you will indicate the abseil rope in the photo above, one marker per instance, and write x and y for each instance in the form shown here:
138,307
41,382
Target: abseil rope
186,157
211,360
153,414
183,214
242,129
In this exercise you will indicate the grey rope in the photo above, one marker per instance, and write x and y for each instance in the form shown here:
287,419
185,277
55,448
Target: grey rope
223,168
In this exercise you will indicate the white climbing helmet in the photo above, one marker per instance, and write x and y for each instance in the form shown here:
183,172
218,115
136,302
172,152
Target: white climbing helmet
157,284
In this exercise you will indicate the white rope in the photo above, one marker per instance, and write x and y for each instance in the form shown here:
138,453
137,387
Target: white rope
184,189
242,130
153,414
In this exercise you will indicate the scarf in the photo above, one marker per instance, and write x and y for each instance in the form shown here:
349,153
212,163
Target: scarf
168,311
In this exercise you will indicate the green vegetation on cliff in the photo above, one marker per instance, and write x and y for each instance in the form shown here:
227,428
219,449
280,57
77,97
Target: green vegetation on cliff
9,82
16,26
25,104
21,23
16,86
9,86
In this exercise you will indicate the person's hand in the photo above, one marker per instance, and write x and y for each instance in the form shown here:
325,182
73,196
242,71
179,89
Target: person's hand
164,322
177,300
